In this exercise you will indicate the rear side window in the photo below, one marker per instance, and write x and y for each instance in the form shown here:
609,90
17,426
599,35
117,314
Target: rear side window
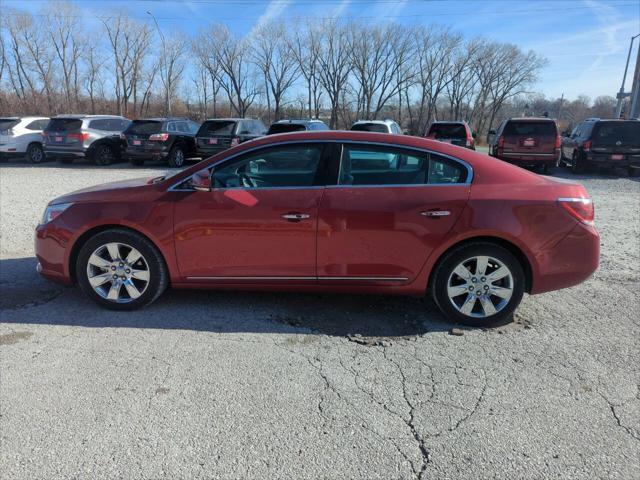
144,127
7,124
370,127
379,165
609,133
530,128
318,126
285,128
37,125
447,130
258,127
64,124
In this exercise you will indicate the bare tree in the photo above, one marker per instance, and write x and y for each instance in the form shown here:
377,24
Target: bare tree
235,76
305,48
64,30
274,58
93,81
129,42
335,64
172,67
204,50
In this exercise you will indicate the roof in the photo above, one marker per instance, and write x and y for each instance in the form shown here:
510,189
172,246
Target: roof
159,119
228,119
534,119
455,122
81,115
302,121
378,122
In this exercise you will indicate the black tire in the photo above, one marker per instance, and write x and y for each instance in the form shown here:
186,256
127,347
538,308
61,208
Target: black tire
176,157
35,153
103,155
158,274
633,171
136,161
444,270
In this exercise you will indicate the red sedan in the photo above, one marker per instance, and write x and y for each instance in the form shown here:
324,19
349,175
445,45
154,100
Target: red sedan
351,212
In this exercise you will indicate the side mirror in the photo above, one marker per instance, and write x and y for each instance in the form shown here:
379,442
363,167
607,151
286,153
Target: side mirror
492,132
201,181
474,135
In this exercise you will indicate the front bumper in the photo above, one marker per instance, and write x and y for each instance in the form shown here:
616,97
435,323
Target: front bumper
10,149
51,250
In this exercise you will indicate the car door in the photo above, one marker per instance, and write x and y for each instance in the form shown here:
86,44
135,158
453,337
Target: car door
259,221
390,208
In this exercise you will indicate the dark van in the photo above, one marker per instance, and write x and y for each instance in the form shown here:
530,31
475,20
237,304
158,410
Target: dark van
219,134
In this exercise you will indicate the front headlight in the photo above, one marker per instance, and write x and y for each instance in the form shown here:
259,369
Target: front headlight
53,211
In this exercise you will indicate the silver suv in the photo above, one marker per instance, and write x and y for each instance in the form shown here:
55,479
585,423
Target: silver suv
378,126
96,137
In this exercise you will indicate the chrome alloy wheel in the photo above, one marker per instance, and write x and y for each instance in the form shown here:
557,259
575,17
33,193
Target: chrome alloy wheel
118,272
480,286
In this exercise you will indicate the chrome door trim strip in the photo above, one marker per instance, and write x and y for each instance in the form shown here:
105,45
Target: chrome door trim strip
371,279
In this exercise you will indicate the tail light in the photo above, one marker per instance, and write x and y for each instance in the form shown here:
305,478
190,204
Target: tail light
558,141
586,146
159,137
123,136
82,136
581,209
235,141
501,142
469,143
44,135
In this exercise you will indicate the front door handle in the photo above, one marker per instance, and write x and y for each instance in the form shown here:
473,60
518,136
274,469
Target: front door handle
436,213
295,217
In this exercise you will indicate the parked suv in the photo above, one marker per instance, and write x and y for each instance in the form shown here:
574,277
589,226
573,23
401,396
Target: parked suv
215,135
287,126
97,137
611,143
455,133
530,142
172,139
22,136
377,126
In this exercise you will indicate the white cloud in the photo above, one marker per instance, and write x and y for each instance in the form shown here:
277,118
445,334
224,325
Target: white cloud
273,11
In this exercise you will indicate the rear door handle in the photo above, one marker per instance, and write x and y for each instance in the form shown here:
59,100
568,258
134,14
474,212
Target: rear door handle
295,217
436,213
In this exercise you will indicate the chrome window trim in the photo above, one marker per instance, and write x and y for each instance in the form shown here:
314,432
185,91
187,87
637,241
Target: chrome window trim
469,168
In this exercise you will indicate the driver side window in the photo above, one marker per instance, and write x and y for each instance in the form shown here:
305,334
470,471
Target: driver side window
276,167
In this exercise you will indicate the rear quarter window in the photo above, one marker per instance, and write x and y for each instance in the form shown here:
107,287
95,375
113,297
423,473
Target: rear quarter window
7,123
37,125
144,127
530,128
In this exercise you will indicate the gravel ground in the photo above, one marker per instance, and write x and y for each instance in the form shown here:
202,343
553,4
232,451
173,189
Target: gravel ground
246,385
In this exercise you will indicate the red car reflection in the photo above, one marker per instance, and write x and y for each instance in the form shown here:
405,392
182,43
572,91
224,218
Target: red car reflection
351,212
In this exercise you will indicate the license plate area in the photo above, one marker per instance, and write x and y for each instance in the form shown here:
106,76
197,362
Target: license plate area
529,142
137,143
58,139
213,141
617,157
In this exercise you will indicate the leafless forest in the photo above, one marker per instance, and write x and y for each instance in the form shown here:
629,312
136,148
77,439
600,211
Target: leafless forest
57,62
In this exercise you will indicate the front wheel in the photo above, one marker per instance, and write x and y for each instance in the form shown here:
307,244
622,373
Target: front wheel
35,153
176,157
121,270
576,163
478,284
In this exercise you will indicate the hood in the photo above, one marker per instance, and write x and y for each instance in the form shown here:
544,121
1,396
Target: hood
106,191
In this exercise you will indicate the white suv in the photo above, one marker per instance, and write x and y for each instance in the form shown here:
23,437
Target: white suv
22,136
378,126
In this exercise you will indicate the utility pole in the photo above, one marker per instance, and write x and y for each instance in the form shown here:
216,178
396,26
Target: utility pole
560,107
621,95
634,111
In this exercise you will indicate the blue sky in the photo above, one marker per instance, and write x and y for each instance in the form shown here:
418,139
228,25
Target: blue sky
585,41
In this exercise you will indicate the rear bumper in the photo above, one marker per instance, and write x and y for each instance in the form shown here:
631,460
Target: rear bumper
204,152
61,152
529,159
146,153
9,149
605,159
570,262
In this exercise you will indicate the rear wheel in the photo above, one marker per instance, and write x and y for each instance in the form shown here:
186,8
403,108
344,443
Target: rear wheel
176,157
103,155
121,270
35,153
478,284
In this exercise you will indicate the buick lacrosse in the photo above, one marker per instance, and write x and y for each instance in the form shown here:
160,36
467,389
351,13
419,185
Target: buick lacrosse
351,212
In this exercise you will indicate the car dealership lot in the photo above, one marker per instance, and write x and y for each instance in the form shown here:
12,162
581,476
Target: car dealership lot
248,385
